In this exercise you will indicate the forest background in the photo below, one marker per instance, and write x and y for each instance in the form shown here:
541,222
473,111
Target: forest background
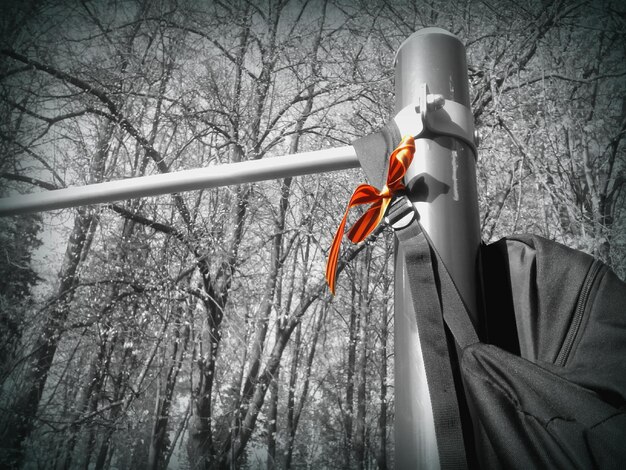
195,330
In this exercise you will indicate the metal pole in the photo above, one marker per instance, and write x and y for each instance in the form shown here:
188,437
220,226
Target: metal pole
334,159
444,174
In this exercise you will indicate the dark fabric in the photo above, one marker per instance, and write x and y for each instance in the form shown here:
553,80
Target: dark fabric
544,280
534,418
373,153
598,357
550,391
435,350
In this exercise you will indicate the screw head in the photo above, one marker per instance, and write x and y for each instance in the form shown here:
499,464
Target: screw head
435,102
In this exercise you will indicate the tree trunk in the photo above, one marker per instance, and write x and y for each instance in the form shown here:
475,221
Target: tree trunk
305,387
291,397
360,427
159,439
237,447
353,337
384,333
272,420
22,423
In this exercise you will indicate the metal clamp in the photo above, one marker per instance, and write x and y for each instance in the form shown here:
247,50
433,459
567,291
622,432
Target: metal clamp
437,116
400,213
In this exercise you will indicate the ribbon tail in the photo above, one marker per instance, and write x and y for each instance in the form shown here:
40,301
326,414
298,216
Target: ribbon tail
399,162
333,254
369,221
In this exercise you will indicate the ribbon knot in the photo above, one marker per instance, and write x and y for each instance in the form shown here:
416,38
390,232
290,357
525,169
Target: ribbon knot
399,162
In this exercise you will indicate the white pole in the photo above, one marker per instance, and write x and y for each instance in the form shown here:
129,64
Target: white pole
334,159
434,57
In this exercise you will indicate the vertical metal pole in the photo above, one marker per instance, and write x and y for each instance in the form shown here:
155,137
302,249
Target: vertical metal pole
448,207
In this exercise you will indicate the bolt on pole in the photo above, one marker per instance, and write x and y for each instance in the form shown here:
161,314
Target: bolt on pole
442,179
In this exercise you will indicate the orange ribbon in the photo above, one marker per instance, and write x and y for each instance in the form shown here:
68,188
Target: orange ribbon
399,162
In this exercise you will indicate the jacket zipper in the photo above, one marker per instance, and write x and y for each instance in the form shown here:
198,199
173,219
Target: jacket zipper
578,313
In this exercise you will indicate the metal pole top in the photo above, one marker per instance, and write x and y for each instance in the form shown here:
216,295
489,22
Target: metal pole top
437,58
424,32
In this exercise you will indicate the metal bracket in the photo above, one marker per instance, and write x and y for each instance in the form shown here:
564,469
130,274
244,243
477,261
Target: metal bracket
437,116
400,213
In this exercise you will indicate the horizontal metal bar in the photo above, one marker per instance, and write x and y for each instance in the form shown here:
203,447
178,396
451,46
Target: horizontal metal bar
298,164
